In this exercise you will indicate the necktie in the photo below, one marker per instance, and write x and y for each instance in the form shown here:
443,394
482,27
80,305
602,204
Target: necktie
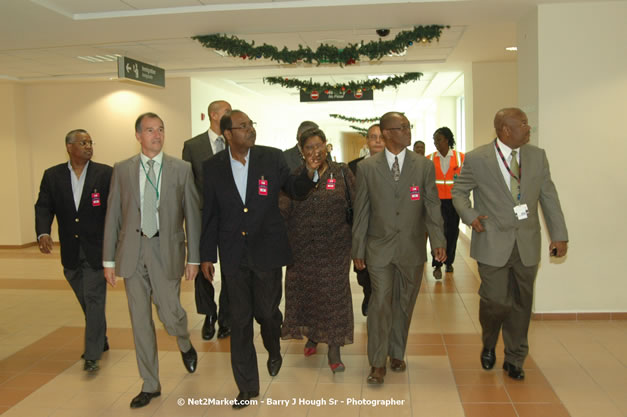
219,144
514,186
149,221
396,170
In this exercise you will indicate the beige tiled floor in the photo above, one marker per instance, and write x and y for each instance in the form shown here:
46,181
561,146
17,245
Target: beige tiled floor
576,368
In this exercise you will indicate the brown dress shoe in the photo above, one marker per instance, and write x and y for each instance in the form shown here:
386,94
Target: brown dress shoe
397,365
376,376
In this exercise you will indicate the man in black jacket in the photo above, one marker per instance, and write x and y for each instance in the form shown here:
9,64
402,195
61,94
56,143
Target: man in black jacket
241,216
76,192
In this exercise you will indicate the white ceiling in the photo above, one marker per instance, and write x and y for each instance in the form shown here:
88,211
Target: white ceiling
41,39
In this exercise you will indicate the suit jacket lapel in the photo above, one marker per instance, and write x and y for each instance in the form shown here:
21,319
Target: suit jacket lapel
133,175
408,171
525,168
88,186
384,168
167,179
66,186
254,172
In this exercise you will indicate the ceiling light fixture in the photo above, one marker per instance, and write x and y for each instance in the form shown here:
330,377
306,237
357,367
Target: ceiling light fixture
511,48
99,58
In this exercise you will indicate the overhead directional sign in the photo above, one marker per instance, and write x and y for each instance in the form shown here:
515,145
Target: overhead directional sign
131,69
313,96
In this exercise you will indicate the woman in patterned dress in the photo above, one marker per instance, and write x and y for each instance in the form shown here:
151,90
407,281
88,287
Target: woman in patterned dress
318,303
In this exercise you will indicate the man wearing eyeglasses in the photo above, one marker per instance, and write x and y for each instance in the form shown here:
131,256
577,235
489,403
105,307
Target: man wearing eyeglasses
375,144
196,151
76,193
396,203
241,217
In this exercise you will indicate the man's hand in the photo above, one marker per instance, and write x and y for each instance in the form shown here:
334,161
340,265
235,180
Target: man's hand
45,244
558,249
207,270
109,274
191,271
476,224
439,254
359,264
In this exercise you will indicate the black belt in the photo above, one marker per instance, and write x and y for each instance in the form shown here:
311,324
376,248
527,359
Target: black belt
156,235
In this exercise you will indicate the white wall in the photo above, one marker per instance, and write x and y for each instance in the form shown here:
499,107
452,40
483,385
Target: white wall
582,95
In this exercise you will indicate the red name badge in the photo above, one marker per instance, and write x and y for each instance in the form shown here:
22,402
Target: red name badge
95,199
414,193
331,184
263,187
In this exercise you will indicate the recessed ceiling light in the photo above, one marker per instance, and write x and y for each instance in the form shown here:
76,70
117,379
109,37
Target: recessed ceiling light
99,58
511,48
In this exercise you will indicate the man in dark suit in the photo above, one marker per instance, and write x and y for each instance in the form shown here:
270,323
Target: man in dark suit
152,195
76,192
196,151
395,205
294,156
508,178
241,217
374,141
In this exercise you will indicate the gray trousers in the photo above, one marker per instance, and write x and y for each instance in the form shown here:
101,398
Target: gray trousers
149,282
90,289
506,299
394,291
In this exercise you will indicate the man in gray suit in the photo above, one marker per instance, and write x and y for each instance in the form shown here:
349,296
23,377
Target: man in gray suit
196,151
396,204
508,178
151,195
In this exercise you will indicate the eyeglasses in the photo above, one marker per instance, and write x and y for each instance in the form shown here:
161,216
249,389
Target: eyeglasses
84,143
402,127
248,126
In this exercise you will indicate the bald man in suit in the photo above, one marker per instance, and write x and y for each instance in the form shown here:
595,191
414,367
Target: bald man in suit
396,204
508,178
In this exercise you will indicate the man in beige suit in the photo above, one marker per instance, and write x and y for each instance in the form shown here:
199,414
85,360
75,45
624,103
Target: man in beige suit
396,204
151,195
508,178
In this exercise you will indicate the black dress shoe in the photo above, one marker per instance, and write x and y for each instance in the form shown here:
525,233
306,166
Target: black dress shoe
143,398
364,307
274,365
91,366
224,331
488,358
190,360
243,399
513,371
208,328
449,268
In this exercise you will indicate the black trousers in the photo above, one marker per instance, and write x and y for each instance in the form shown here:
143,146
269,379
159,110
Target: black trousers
451,231
90,289
205,303
253,294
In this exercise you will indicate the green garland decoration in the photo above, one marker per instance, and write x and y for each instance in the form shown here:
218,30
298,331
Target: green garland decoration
349,87
361,130
324,54
354,119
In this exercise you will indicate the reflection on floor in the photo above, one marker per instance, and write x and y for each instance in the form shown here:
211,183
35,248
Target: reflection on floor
576,368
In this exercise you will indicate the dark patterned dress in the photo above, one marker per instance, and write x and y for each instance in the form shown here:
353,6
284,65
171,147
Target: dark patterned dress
318,302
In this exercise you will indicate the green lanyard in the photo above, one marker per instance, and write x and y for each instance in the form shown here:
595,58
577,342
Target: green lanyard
156,187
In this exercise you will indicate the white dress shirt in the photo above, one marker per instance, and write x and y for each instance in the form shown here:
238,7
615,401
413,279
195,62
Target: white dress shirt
143,180
240,174
390,157
507,154
213,136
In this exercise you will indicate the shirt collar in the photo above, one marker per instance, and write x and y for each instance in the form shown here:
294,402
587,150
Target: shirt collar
390,156
506,150
69,165
158,158
448,154
212,135
245,158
